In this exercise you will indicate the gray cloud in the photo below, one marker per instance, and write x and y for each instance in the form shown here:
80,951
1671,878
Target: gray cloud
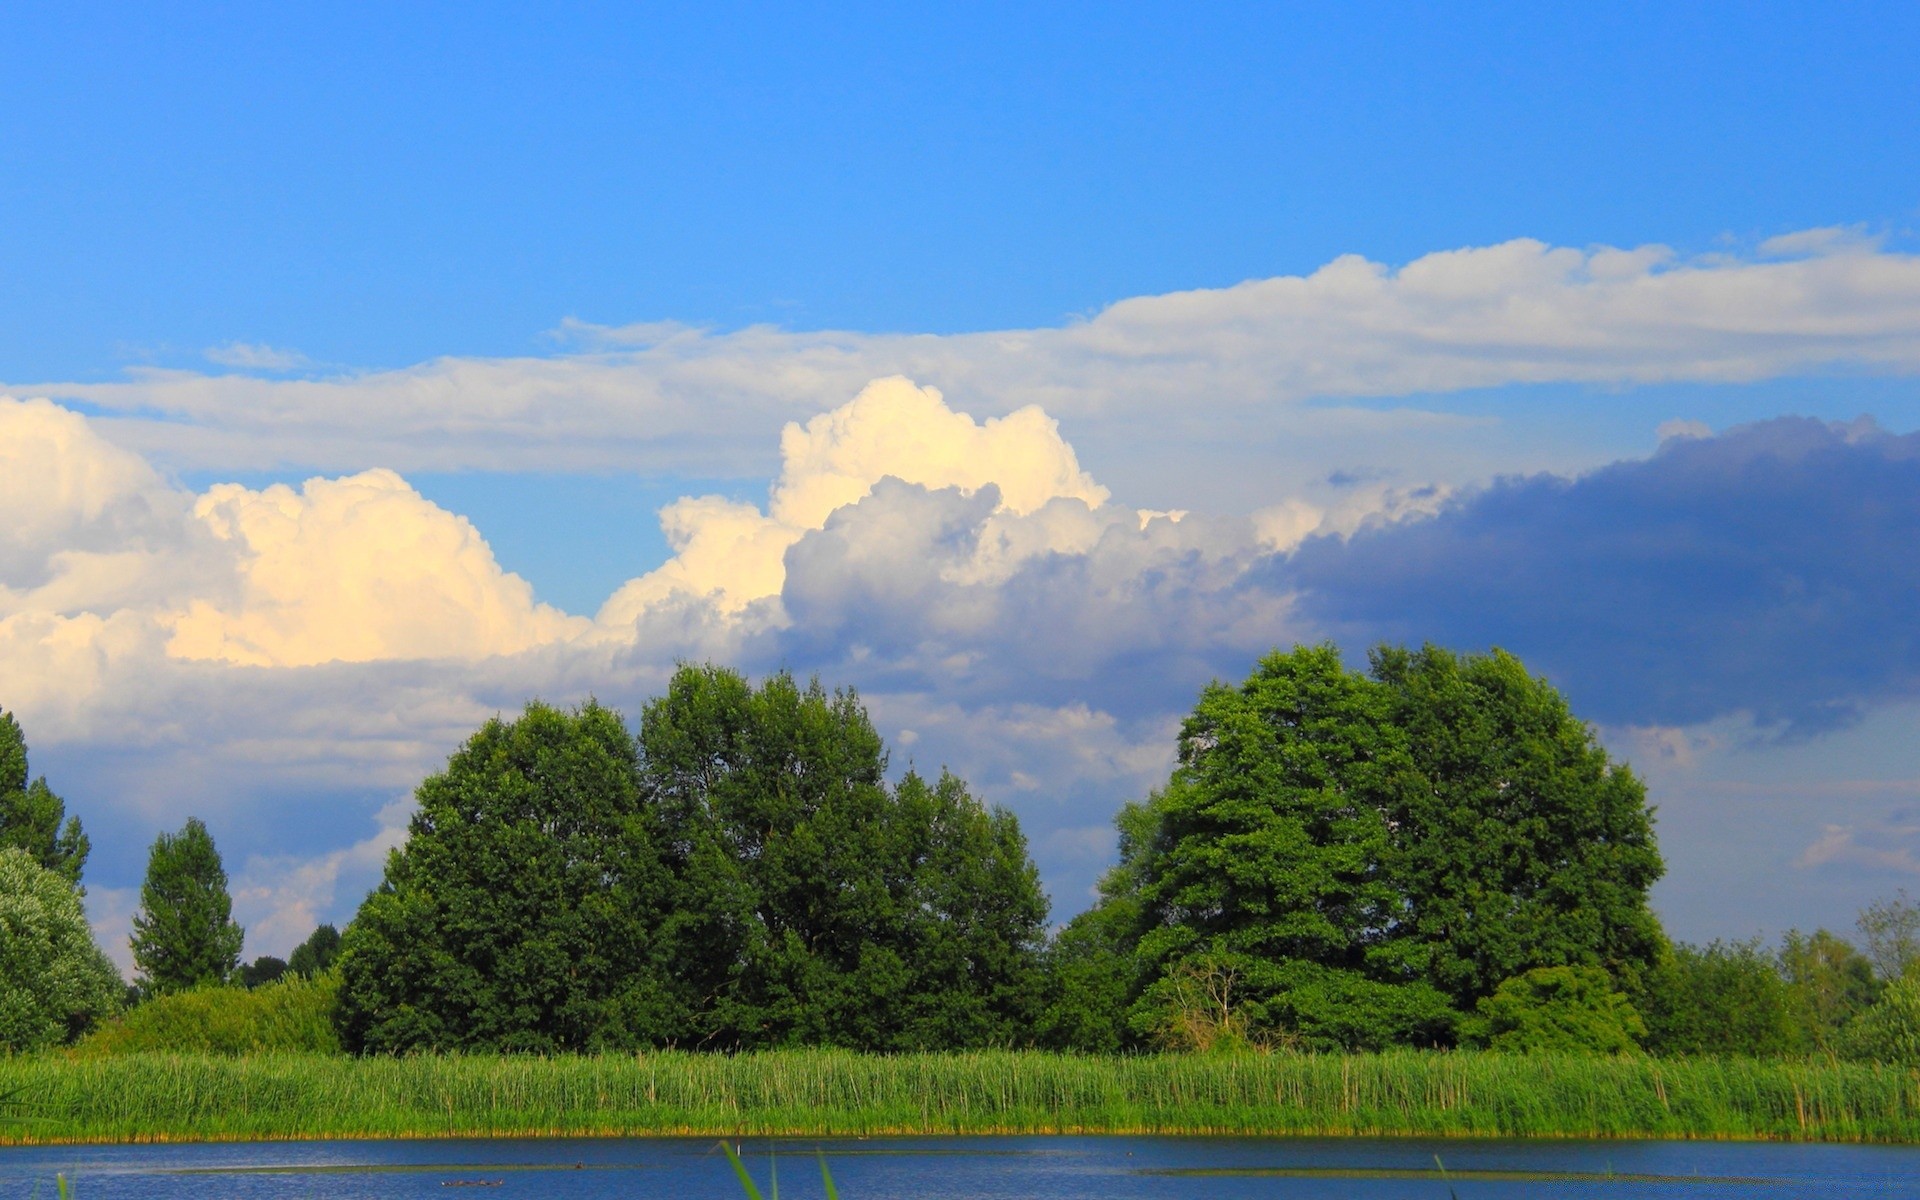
1770,570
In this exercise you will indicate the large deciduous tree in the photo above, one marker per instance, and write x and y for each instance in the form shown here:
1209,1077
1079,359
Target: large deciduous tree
184,934
740,874
816,905
54,981
32,817
1354,860
526,895
1523,846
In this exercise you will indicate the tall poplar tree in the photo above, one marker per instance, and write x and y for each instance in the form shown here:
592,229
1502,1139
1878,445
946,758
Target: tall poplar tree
184,934
32,818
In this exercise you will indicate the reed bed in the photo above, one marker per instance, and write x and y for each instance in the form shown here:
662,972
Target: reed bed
160,1097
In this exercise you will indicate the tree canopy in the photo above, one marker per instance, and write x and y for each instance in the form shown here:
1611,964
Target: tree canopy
739,874
184,934
32,817
54,981
1366,857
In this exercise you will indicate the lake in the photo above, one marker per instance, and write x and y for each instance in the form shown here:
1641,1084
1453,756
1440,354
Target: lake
1040,1167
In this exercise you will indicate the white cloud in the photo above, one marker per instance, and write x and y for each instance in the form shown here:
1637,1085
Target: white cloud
735,554
354,570
1194,364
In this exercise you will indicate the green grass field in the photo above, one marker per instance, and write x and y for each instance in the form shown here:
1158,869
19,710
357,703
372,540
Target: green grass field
140,1097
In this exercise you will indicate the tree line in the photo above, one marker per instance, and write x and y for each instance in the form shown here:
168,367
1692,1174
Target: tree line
1433,852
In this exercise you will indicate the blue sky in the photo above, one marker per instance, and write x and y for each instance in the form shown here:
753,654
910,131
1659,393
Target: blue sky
1318,277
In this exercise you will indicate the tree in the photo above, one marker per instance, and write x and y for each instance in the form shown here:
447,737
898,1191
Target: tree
184,934
31,815
519,915
1267,860
316,954
740,875
1891,931
261,971
1367,857
1889,1031
1523,846
1829,983
1564,1010
54,981
1724,998
813,903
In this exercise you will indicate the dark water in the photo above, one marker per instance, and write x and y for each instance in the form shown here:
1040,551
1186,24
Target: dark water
1046,1168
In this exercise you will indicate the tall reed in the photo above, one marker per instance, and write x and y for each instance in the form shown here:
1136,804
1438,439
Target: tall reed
822,1092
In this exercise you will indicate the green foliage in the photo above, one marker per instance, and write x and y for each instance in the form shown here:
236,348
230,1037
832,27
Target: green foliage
1890,930
812,904
1366,857
524,898
54,981
1521,846
1829,983
1889,1031
294,1015
742,876
1557,1010
1089,969
261,971
317,953
31,815
1725,998
184,935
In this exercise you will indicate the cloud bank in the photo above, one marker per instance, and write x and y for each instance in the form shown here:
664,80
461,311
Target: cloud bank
1290,353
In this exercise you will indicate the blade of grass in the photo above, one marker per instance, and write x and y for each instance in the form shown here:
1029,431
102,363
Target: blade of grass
740,1169
826,1177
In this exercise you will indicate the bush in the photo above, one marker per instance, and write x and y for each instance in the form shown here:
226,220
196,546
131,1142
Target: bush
294,1015
1572,1010
1889,1032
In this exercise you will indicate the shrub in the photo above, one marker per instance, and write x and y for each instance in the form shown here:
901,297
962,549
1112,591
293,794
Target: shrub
292,1015
1889,1032
1557,1009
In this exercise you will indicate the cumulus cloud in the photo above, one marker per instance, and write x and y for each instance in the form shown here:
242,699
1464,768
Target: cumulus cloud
1770,570
353,570
662,396
734,554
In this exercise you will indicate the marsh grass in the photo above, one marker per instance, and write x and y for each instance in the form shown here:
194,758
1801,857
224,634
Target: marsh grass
141,1097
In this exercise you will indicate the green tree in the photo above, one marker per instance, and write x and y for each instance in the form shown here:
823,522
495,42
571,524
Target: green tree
815,905
1890,930
31,816
1889,1030
54,981
316,954
1367,857
519,915
1523,846
1267,862
1089,969
1829,983
261,971
1724,998
1565,1010
184,934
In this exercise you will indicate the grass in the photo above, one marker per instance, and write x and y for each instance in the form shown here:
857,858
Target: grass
163,1097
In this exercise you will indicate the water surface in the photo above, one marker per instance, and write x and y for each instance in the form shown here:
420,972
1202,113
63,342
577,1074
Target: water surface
1043,1168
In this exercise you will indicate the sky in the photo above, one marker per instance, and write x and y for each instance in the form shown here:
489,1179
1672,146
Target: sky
366,371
